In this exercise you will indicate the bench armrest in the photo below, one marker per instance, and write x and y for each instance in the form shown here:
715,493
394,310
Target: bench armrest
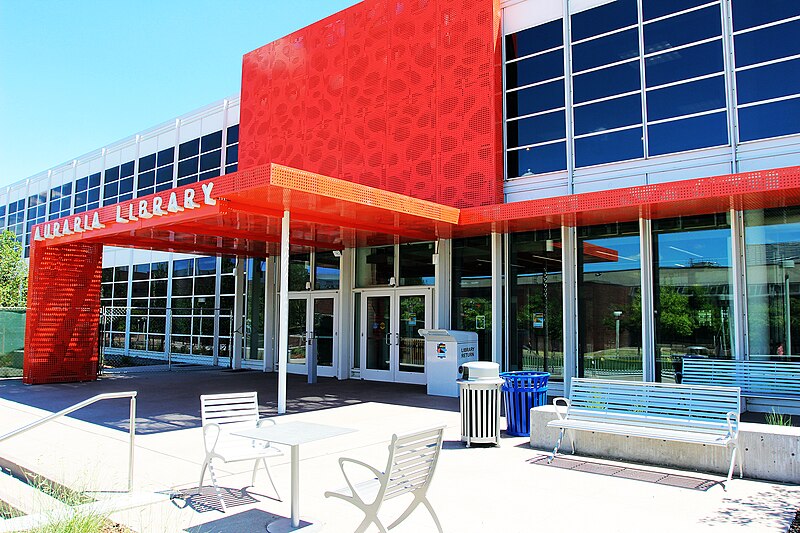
211,430
566,403
378,474
733,424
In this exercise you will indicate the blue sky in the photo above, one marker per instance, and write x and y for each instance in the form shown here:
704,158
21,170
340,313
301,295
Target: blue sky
77,75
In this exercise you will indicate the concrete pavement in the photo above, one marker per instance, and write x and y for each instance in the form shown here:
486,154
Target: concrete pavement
474,490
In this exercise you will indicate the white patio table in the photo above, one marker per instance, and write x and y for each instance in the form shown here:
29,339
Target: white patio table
293,434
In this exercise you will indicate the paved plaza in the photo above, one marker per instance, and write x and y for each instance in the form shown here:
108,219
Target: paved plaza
481,489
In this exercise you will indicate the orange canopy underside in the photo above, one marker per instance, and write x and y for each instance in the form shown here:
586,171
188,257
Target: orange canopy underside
329,213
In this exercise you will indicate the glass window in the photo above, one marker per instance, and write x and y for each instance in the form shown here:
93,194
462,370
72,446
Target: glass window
187,167
684,64
537,129
609,147
606,82
254,308
232,154
535,99
299,272
692,290
688,134
534,40
211,141
609,302
772,241
652,9
537,159
147,162
766,44
682,29
416,264
750,13
768,81
112,174
147,179
686,99
326,271
164,174
233,134
535,69
608,114
210,160
183,267
604,18
374,266
472,290
769,120
535,303
189,148
610,49
206,265
166,156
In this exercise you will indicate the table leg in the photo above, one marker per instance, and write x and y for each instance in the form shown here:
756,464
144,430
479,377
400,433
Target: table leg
295,486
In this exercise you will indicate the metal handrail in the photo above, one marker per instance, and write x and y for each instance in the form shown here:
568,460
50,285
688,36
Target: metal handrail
84,403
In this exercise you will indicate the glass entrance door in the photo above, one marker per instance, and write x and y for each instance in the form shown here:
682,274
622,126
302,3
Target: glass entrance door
312,325
390,341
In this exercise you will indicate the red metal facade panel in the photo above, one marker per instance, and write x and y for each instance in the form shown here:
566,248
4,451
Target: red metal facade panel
402,96
61,331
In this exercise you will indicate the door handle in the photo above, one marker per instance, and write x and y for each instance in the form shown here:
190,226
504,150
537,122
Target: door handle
388,339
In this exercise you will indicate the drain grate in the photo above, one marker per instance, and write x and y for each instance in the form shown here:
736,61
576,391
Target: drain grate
637,474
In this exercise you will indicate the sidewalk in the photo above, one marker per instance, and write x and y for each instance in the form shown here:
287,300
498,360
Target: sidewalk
475,490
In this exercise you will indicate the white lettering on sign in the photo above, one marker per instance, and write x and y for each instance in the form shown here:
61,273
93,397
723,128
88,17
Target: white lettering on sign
124,214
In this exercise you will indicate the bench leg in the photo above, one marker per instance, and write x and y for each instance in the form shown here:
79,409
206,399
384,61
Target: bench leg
735,454
558,444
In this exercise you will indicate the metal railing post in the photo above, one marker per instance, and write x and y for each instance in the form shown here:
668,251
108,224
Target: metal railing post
132,432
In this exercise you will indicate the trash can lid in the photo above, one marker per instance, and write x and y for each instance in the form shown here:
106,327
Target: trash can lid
478,370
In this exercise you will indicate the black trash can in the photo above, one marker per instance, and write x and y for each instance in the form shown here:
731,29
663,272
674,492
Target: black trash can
521,391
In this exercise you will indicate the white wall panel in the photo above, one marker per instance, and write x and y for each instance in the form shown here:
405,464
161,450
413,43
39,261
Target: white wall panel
531,13
213,122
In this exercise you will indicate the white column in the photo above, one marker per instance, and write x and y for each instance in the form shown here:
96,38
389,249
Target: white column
346,315
569,288
442,301
497,297
238,313
283,334
739,347
649,352
270,308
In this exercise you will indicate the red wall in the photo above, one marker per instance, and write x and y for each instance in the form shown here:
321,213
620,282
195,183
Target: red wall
401,95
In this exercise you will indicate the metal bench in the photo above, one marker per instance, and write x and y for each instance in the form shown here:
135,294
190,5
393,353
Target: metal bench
685,413
777,380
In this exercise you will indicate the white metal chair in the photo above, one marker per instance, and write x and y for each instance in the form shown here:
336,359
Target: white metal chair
223,414
412,461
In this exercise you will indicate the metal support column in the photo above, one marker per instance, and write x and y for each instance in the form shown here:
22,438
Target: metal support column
238,313
283,313
442,277
569,287
739,346
497,297
649,352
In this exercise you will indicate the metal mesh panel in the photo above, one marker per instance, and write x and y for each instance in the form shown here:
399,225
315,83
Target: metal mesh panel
12,341
64,305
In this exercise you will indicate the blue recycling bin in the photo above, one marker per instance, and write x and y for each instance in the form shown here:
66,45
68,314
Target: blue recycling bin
521,391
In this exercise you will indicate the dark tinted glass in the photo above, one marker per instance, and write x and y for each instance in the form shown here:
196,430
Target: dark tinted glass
606,82
66,189
126,185
686,98
684,64
604,18
147,162
187,167
166,156
232,154
769,120
147,179
210,160
605,50
82,184
126,169
211,141
749,13
534,40
183,267
683,29
187,181
768,43
163,186
94,180
535,69
652,9
206,265
688,134
94,195
609,114
231,168
189,148
609,147
233,134
538,159
111,189
210,174
164,174
770,81
112,174
535,99
541,128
